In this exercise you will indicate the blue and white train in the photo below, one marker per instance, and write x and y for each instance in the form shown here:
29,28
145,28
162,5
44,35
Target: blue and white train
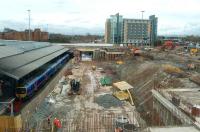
29,88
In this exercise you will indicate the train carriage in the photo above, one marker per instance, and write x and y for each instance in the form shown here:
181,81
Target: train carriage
28,90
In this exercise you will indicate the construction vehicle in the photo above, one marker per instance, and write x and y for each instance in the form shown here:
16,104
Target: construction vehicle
75,87
193,51
169,45
136,51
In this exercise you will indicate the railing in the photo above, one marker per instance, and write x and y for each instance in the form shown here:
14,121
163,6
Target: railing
6,104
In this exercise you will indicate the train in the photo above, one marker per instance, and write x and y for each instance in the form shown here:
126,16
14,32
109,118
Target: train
27,90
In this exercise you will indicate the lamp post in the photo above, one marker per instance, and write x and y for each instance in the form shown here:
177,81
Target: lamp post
113,33
142,26
29,24
142,14
48,30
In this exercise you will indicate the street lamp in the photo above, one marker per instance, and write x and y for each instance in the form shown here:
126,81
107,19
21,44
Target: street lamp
142,26
142,14
48,30
29,24
113,33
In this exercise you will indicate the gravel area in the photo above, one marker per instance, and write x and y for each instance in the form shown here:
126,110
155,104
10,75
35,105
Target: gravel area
108,101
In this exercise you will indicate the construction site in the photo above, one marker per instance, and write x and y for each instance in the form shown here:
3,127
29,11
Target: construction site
106,88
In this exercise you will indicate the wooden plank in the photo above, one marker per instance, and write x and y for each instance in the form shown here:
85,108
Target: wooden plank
130,96
122,85
10,123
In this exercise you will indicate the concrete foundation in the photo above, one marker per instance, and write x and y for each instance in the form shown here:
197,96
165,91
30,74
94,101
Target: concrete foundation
166,117
168,113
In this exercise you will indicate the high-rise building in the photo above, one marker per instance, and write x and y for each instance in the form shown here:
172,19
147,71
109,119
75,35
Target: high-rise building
108,31
114,29
131,31
136,31
153,28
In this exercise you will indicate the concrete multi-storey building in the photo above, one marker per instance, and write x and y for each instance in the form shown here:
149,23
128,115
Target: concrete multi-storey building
131,31
136,31
153,28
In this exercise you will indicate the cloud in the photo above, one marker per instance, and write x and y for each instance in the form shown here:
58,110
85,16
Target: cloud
174,16
74,30
193,28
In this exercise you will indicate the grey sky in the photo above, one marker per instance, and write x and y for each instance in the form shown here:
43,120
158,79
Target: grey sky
88,16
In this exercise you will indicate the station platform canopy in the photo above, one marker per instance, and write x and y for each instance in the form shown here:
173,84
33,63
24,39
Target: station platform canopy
13,47
25,57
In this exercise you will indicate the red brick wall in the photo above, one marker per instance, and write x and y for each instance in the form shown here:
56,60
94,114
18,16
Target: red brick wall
36,35
1,36
44,36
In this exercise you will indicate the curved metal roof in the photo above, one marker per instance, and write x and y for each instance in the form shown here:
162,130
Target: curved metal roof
6,51
17,63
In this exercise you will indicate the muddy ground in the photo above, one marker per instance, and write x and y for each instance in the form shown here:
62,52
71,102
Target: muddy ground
81,112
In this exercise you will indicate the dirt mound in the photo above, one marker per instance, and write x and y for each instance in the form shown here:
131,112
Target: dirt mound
137,73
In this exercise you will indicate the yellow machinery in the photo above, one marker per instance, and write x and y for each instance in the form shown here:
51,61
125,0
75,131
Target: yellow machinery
123,92
121,95
193,51
119,62
93,68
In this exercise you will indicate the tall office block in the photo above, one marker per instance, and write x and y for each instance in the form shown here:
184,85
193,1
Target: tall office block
131,31
108,31
153,28
136,31
114,29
